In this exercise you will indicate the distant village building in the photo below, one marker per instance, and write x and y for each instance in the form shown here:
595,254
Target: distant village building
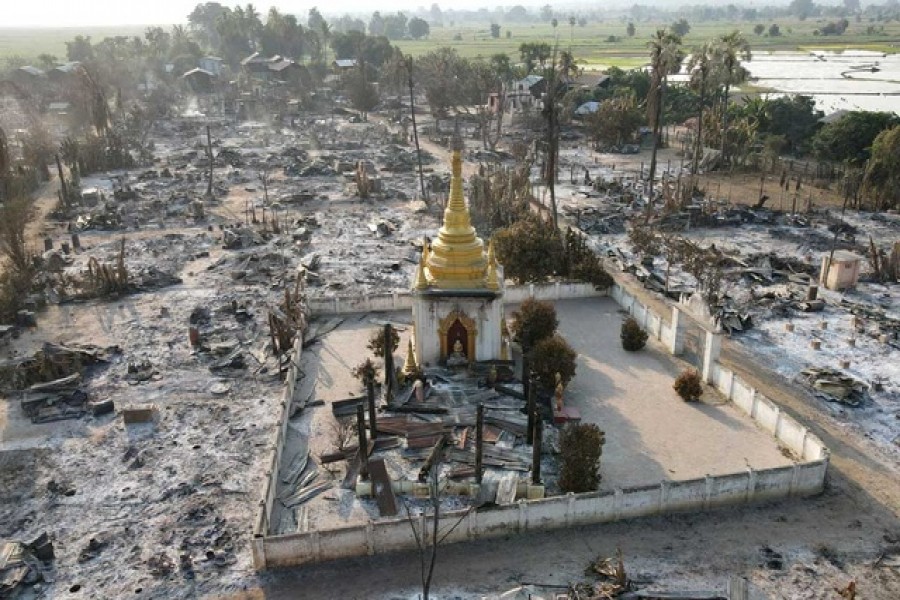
342,65
63,74
200,81
212,64
526,92
28,75
458,289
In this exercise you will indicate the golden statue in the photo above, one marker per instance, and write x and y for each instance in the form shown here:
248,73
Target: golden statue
458,358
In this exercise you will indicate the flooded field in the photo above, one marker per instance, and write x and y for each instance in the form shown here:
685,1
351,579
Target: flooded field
851,80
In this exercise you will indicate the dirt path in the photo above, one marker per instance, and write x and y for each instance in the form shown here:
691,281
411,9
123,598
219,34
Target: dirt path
864,466
45,199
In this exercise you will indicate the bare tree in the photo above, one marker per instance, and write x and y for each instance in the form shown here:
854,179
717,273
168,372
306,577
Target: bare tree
428,542
14,217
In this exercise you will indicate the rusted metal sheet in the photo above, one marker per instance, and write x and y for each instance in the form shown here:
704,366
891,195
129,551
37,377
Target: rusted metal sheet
381,487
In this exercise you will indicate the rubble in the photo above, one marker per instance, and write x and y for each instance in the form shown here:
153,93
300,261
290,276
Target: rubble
24,564
835,386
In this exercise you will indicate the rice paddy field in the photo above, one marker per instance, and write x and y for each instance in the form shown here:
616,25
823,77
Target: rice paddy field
591,44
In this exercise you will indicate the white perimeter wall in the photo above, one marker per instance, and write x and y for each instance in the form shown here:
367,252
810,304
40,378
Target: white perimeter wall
806,477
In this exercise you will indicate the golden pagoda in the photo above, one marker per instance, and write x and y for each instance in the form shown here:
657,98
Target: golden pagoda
456,259
457,289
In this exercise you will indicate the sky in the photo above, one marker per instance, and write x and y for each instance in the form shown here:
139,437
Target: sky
63,13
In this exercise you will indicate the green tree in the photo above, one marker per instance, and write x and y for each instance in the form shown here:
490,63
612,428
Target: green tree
581,446
529,250
534,53
882,179
362,93
418,28
534,321
702,66
376,24
203,22
794,117
774,30
395,26
665,59
80,49
630,29
616,120
315,20
734,49
550,356
759,29
850,138
680,27
495,31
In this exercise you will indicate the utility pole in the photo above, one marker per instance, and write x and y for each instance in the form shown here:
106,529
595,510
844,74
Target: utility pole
363,442
412,113
479,442
370,392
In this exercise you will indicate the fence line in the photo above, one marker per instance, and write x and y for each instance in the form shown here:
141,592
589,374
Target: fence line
396,301
805,477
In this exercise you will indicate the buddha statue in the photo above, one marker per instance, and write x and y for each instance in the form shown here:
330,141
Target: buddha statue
457,358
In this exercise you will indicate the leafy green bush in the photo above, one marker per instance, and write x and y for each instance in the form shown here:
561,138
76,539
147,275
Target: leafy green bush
534,321
689,385
376,341
551,356
633,337
580,446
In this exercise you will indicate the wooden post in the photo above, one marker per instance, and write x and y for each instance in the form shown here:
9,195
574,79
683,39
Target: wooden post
529,399
526,372
479,442
388,363
209,157
62,182
537,433
370,392
363,442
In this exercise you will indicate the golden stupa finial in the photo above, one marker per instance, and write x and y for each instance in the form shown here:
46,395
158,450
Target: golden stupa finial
491,281
421,282
456,259
410,367
457,202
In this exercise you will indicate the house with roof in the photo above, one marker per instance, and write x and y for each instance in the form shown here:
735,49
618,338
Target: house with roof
343,65
526,92
212,64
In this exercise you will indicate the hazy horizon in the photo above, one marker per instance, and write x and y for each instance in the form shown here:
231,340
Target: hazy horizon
111,13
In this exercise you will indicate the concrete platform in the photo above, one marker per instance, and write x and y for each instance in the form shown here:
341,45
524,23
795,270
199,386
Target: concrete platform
651,434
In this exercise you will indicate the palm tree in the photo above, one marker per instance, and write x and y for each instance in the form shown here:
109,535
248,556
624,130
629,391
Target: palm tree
734,49
325,34
665,59
703,66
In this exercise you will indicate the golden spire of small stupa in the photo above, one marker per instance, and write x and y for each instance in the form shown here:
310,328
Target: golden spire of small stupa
491,281
421,282
410,367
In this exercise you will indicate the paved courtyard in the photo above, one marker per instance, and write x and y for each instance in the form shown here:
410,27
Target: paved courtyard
651,434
